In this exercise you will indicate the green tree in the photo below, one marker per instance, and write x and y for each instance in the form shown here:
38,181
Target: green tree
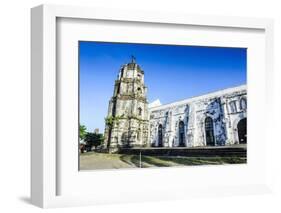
82,132
94,139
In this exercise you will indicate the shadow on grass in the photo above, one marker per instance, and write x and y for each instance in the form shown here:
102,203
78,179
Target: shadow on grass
166,161
155,161
193,161
130,159
183,161
146,161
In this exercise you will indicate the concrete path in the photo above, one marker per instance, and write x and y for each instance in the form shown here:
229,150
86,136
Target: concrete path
91,161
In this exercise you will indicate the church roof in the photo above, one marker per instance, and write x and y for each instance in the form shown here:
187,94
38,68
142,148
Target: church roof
155,103
195,98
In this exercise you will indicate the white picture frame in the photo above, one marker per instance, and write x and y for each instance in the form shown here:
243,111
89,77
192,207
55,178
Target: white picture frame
46,168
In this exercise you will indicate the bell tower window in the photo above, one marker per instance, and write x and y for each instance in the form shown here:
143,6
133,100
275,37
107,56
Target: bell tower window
139,90
139,111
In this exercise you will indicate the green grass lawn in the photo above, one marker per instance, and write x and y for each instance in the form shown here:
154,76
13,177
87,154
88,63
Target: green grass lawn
93,160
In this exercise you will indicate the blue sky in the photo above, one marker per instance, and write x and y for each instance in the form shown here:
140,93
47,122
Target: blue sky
171,73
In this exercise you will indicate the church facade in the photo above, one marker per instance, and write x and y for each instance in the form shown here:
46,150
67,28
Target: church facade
215,119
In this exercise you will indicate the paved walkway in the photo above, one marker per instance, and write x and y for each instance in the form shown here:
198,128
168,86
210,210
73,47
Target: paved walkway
92,160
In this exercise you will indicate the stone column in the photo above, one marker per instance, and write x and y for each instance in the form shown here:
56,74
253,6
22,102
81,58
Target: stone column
227,121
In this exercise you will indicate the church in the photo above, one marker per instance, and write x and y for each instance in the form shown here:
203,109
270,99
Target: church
215,119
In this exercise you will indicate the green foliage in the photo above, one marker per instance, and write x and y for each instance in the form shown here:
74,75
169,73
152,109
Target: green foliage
82,132
94,139
111,120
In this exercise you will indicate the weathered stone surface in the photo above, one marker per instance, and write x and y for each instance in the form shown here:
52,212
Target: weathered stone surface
193,113
212,119
128,110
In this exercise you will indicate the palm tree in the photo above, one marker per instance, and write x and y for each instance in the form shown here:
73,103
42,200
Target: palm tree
82,132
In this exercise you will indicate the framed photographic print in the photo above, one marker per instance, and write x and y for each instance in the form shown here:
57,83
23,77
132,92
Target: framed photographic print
151,106
133,129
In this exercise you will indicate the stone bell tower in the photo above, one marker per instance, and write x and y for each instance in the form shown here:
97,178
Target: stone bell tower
127,120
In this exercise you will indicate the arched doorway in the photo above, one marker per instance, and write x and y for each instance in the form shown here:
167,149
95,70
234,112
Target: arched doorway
160,135
181,134
242,131
209,132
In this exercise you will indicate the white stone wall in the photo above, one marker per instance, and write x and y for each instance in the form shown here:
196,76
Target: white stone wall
193,112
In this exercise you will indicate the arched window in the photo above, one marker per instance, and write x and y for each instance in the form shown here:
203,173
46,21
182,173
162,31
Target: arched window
209,132
186,124
160,135
139,111
186,110
233,108
139,133
124,138
181,134
243,104
242,130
